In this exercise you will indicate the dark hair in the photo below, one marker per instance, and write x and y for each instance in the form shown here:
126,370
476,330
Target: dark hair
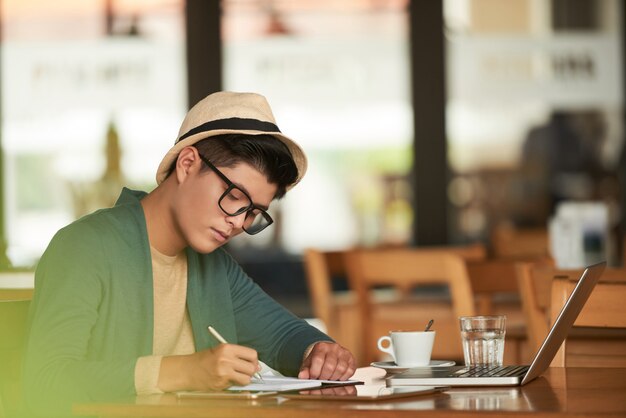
266,153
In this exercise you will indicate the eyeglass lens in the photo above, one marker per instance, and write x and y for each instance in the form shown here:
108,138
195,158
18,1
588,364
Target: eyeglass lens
235,202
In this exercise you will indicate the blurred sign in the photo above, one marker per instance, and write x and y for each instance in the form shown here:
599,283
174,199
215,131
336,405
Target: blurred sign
46,77
319,70
574,70
344,93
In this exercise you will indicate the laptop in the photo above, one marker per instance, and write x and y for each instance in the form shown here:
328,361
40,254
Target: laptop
510,375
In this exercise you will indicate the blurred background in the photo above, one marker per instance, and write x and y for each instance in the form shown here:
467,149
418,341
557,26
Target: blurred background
425,122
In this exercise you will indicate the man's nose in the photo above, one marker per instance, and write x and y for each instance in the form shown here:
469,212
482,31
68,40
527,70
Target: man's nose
238,220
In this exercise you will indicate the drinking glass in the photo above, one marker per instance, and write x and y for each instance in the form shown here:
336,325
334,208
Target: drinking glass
483,339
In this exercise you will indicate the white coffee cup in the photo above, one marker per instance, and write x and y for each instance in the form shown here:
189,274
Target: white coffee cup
408,348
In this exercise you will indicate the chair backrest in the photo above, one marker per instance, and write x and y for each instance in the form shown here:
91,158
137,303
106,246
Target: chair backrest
603,344
13,318
404,269
521,243
490,279
320,268
535,283
544,290
338,310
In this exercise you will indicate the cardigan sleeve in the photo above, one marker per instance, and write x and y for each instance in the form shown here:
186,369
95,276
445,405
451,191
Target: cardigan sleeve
58,370
279,337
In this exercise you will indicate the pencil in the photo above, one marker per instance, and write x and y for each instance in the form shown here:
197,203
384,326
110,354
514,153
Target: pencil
221,339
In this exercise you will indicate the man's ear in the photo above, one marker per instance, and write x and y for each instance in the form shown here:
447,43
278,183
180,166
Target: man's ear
187,162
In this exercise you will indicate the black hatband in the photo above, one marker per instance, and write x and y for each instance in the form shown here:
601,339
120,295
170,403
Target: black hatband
234,124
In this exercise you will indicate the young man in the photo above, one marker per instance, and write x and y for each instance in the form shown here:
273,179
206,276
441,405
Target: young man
124,296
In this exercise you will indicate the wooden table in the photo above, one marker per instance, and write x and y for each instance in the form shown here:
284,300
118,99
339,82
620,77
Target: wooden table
588,392
16,285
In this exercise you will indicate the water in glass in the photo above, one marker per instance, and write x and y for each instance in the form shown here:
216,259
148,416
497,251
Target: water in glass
483,347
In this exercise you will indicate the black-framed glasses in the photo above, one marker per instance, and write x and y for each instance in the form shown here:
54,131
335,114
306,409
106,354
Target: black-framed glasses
235,201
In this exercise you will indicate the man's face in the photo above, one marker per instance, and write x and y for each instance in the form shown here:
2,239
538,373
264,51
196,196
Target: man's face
203,225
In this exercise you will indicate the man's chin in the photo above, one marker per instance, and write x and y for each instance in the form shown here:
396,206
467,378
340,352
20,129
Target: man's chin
207,247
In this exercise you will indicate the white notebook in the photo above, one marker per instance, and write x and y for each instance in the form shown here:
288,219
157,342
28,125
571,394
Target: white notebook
282,384
273,385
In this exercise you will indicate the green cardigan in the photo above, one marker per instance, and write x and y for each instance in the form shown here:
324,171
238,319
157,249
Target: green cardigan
92,312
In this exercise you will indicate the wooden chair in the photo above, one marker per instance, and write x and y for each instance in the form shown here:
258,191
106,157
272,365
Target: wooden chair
602,343
403,270
320,268
534,283
491,279
338,309
541,303
519,243
496,292
13,318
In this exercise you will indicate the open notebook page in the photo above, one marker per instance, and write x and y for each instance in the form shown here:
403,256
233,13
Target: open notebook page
282,384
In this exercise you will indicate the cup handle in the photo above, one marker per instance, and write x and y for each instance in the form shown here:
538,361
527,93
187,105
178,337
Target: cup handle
388,349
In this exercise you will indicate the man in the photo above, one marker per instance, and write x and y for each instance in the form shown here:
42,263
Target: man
124,296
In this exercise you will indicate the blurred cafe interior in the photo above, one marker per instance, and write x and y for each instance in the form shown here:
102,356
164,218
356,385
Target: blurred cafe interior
489,129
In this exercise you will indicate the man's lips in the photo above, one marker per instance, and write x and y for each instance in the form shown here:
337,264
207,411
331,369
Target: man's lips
219,235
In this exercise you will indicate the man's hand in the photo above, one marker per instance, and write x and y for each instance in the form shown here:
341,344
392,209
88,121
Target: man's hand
328,361
214,369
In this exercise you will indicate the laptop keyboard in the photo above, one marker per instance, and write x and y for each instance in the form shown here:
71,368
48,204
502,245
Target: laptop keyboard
492,371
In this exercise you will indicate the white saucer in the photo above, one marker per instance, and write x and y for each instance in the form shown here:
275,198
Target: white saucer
391,366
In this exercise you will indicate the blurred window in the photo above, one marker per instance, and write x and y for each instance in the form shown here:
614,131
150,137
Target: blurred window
93,93
534,111
336,74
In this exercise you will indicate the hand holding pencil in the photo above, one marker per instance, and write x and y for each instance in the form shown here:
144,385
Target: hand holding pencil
212,369
222,340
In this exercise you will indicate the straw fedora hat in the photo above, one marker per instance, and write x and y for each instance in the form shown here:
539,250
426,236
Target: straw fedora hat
227,113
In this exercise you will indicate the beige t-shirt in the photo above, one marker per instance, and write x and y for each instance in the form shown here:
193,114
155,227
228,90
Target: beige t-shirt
172,328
